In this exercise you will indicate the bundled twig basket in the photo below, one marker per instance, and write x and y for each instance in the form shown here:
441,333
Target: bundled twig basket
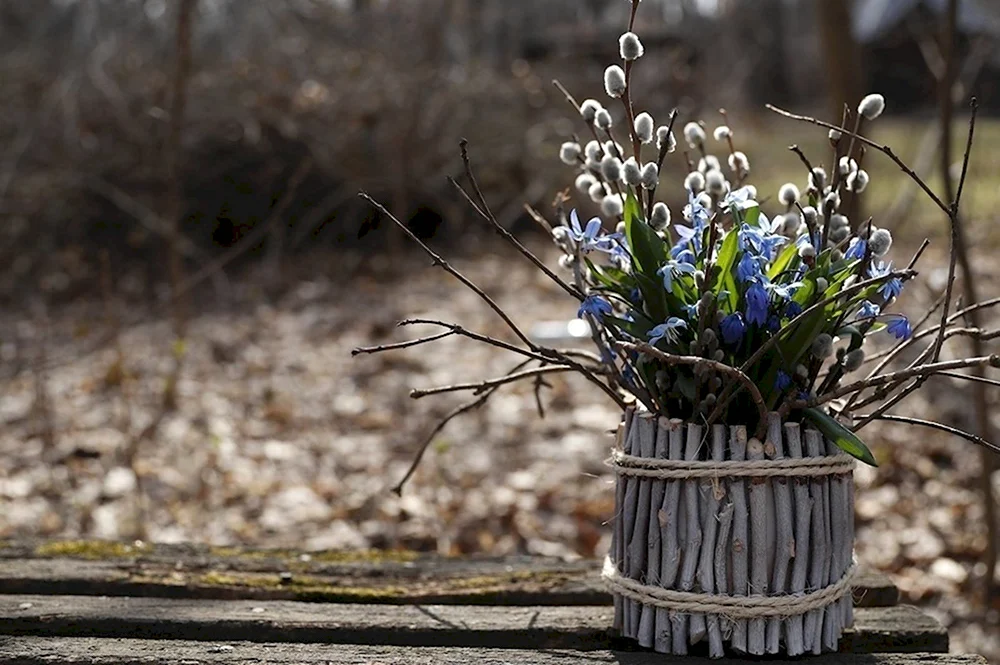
731,541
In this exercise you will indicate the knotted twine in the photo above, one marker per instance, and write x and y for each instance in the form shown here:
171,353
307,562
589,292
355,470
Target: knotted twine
732,607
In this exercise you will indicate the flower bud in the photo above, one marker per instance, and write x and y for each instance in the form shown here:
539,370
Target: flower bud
644,127
822,284
614,149
694,135
839,221
589,109
722,133
560,236
839,234
602,120
694,182
569,152
593,150
817,179
880,242
611,168
566,261
708,163
738,163
620,228
810,215
584,182
614,81
715,182
872,106
854,360
834,135
597,192
593,165
791,221
665,138
847,166
630,47
788,194
832,200
801,371
857,181
631,172
807,251
822,346
659,219
611,206
650,175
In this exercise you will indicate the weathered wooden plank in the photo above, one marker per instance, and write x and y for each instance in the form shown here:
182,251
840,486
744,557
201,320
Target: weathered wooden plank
891,629
88,651
187,571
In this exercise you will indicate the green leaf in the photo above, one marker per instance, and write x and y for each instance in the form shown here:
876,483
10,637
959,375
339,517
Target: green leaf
751,215
648,249
727,259
845,439
783,261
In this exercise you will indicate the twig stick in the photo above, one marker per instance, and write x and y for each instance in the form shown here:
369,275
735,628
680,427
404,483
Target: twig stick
784,543
478,387
794,641
670,553
638,547
758,547
647,625
741,538
693,535
710,526
819,551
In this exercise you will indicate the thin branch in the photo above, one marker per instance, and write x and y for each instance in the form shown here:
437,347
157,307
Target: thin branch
802,157
479,387
978,440
456,329
401,345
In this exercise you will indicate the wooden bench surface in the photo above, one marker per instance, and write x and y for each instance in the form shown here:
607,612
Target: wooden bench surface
86,602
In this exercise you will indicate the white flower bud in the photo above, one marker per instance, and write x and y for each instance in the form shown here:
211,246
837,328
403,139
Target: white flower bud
834,135
694,135
832,200
569,152
850,281
822,284
839,235
631,172
593,165
566,261
597,192
630,47
872,106
614,149
594,150
589,109
650,175
822,346
584,182
738,163
839,221
791,223
817,179
611,206
611,168
809,215
603,119
715,182
705,201
853,360
660,217
620,228
644,127
807,251
614,81
722,133
694,182
847,166
788,194
857,182
880,242
709,163
751,192
665,137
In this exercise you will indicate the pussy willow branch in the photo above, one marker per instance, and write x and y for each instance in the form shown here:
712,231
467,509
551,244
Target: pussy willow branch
802,157
478,387
573,102
454,413
902,375
670,359
402,345
732,389
479,337
978,440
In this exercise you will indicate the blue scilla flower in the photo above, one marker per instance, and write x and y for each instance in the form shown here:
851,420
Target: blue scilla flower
682,252
695,212
757,303
733,328
691,311
635,296
899,326
742,198
672,270
596,306
773,323
782,381
891,288
589,238
783,292
857,249
670,330
868,310
749,268
793,309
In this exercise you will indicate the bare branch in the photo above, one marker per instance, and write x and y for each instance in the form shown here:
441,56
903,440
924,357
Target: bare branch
479,387
978,440
401,345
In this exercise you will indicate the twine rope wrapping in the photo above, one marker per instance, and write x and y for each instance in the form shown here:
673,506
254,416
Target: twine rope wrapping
672,469
732,607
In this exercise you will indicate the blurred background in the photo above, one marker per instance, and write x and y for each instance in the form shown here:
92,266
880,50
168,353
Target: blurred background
186,263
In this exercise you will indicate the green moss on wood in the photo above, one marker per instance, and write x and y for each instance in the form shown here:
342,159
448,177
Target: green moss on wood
91,549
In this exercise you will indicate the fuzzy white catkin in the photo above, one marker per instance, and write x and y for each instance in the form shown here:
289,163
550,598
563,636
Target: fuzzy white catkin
709,163
847,166
631,172
788,194
705,201
809,215
694,135
694,182
872,106
593,165
832,200
822,346
715,182
880,242
593,150
738,163
611,206
630,47
840,234
597,192
853,360
603,119
569,152
620,228
659,219
611,168
566,261
722,133
644,127
614,81
857,182
589,109
790,223
665,139
584,182
839,221
822,284
817,179
807,251
650,175
614,149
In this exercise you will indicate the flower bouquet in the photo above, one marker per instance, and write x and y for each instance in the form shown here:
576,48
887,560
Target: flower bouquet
734,339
